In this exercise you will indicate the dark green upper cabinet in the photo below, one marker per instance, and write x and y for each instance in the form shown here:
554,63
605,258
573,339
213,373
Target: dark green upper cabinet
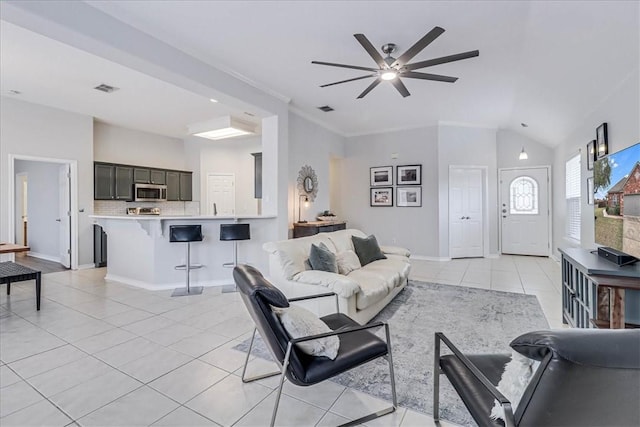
186,186
173,186
158,177
141,176
124,182
103,182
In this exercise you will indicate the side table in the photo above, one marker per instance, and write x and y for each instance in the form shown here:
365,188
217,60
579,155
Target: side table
12,272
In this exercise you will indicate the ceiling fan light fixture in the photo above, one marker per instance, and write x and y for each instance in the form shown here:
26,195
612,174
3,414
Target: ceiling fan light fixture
389,75
221,128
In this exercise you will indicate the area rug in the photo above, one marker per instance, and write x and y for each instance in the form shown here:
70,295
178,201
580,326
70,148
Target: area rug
475,320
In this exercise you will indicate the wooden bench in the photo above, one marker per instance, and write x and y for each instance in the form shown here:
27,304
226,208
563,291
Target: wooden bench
11,272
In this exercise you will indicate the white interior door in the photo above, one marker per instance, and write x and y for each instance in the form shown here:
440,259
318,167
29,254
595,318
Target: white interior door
64,218
466,219
221,194
524,211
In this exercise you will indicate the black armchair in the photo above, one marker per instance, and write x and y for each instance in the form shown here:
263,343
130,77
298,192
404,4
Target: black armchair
358,344
586,377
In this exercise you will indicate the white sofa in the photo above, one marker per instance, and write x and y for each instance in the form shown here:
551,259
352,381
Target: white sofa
361,294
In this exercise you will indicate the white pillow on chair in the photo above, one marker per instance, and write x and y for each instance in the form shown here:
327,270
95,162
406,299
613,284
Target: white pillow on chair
515,379
300,322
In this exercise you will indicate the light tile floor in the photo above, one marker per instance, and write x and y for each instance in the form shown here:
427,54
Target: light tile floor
103,353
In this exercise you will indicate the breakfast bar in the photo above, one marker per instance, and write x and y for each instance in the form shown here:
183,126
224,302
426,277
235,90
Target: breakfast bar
140,254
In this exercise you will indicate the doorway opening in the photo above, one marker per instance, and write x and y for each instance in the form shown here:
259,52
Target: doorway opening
43,202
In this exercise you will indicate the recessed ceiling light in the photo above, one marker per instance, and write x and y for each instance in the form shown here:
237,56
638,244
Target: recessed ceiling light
524,125
213,100
325,108
221,128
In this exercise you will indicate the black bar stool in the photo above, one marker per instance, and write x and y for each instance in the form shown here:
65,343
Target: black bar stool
233,233
186,234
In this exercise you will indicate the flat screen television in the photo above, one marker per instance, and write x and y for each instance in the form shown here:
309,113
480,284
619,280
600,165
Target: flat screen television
616,185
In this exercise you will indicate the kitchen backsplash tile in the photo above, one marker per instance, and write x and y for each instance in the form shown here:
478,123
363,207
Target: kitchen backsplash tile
112,207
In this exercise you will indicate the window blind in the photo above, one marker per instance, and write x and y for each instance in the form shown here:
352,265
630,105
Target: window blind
572,195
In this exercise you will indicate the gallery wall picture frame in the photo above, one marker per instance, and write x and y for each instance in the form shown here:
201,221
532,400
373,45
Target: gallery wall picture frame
381,196
381,176
409,196
409,175
590,193
602,142
591,154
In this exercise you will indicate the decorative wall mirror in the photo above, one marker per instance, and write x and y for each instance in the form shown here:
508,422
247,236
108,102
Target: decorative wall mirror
308,182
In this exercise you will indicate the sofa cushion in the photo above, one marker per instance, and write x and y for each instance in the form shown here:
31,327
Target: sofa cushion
395,250
347,262
293,253
395,268
374,286
341,285
342,238
321,258
367,249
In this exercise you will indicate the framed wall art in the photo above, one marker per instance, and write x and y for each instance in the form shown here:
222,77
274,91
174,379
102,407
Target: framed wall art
602,144
381,176
409,175
409,196
591,154
382,196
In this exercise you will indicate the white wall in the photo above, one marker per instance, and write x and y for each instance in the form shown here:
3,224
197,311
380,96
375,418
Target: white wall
35,130
415,228
43,206
313,145
621,111
509,145
115,144
466,146
230,156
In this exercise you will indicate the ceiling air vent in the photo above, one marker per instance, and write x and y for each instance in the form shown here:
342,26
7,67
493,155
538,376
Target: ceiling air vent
106,88
325,108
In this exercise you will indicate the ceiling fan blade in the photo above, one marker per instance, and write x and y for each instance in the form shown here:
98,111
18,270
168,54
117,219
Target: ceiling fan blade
418,46
425,76
372,51
401,87
375,83
353,67
442,60
349,80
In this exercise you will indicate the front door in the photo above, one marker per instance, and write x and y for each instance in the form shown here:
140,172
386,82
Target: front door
466,219
221,194
524,211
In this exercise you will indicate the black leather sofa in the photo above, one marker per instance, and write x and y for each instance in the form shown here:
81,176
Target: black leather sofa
587,377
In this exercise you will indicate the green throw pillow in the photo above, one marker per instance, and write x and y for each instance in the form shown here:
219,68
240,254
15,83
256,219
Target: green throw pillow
367,249
321,258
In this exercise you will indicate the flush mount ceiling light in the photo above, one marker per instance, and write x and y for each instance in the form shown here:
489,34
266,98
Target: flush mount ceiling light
221,128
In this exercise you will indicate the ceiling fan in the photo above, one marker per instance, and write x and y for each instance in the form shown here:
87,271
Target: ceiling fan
391,69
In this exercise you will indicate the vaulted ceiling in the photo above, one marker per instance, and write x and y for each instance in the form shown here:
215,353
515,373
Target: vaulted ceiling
544,63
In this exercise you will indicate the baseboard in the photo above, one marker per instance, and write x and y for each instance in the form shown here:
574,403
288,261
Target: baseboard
86,266
429,258
555,258
43,256
163,286
493,256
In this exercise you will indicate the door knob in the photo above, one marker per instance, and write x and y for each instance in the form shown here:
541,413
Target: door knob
467,218
504,211
461,217
58,219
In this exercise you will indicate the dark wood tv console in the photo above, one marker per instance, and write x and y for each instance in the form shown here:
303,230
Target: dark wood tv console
594,290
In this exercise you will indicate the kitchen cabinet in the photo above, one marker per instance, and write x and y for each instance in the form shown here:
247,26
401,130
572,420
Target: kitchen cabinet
112,182
173,186
186,186
103,177
257,175
149,176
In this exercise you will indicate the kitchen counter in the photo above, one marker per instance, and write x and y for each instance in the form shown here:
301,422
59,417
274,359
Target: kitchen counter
139,252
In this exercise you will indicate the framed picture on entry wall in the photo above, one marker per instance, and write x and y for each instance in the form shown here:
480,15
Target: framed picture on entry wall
409,196
409,175
382,196
591,154
381,175
590,193
602,144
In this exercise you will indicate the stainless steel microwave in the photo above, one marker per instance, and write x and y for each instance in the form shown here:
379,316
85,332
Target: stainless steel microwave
149,193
